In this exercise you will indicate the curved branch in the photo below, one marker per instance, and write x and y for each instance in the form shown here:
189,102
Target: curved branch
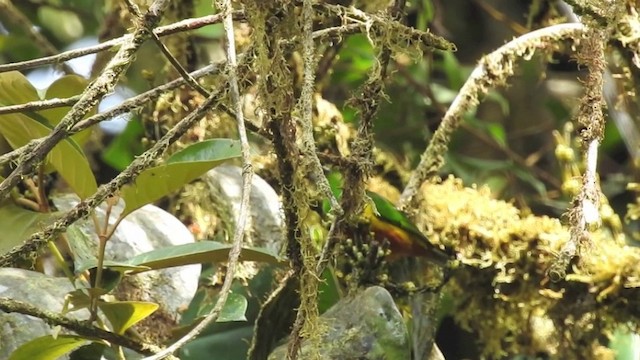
493,69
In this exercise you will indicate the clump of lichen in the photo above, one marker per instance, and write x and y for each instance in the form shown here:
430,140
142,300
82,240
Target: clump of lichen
503,292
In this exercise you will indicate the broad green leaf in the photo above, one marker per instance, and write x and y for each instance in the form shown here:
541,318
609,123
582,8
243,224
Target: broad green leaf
64,24
65,87
124,314
16,89
180,169
18,224
234,310
197,253
112,274
48,347
75,300
67,158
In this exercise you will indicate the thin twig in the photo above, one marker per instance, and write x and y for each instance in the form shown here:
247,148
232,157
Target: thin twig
247,173
180,26
39,105
81,328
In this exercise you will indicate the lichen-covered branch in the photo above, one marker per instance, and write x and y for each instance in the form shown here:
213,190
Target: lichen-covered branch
400,36
126,106
311,164
584,215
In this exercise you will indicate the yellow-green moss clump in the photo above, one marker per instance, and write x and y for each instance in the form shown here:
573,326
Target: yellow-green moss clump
502,290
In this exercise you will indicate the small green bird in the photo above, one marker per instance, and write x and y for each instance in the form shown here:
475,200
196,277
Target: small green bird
390,224
387,223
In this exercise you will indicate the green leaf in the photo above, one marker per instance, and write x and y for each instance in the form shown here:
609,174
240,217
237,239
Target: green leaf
234,309
65,87
454,72
75,300
497,133
48,347
356,58
526,176
227,345
442,94
83,247
18,224
124,314
213,31
180,169
64,24
125,147
67,158
499,99
197,253
328,290
16,89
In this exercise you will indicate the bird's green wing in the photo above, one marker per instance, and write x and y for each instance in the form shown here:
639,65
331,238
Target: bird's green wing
389,213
